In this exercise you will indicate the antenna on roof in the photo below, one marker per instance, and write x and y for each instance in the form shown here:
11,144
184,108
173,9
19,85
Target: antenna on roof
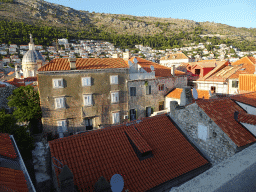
152,68
153,60
210,93
135,60
117,183
130,63
195,94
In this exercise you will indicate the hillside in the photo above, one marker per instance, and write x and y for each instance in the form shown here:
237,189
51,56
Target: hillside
42,13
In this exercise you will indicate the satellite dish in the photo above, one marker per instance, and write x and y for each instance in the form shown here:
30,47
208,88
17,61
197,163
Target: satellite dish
117,183
210,93
135,60
195,94
152,68
130,63
153,60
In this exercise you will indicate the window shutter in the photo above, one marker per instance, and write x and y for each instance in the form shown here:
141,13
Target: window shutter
117,97
118,117
149,89
116,77
89,81
64,126
112,97
111,79
89,99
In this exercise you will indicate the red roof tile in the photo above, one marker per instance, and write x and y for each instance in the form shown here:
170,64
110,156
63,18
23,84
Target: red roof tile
11,179
84,63
247,118
175,93
108,151
6,146
247,98
221,111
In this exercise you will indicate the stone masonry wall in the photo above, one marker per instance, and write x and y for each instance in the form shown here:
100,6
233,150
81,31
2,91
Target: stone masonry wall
5,92
218,145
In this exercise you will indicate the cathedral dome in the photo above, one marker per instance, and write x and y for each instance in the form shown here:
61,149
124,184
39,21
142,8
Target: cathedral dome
32,55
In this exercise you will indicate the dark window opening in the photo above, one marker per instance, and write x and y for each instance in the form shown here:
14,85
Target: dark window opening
213,89
88,124
161,87
161,105
148,111
189,68
148,89
132,91
197,71
132,114
234,84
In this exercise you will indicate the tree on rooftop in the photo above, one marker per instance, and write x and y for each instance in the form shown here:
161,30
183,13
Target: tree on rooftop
26,105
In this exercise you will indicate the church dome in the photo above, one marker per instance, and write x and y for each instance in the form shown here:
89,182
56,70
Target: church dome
31,56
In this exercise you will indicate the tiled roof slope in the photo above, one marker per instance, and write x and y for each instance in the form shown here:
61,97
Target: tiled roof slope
208,63
108,151
215,70
247,82
84,64
221,111
174,56
247,118
12,180
247,98
160,70
6,146
202,94
175,93
16,82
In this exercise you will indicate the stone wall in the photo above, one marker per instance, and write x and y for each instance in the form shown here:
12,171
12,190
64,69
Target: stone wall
5,92
218,145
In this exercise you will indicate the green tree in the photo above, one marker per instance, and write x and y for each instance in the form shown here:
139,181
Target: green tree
26,105
8,124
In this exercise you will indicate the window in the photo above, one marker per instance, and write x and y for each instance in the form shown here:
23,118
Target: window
213,89
197,71
132,114
132,91
148,111
202,131
59,102
57,83
115,117
62,127
161,87
161,105
114,79
86,81
148,90
88,124
114,97
234,84
87,100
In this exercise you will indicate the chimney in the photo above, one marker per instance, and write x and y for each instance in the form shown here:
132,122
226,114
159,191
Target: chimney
173,70
236,115
126,55
66,179
72,62
173,105
186,96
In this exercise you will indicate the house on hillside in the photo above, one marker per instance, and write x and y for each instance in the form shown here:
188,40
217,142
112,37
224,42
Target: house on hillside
150,154
214,127
175,59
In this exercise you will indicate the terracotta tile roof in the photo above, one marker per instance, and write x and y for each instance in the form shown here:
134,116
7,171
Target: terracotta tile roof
247,98
247,118
30,79
221,111
2,85
174,56
6,146
16,82
247,82
207,63
108,151
175,93
12,72
160,70
203,94
84,64
248,66
11,179
212,72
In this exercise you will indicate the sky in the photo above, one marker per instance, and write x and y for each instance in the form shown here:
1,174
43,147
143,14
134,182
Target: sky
237,13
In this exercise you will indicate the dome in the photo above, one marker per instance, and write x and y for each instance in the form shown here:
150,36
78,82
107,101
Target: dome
31,56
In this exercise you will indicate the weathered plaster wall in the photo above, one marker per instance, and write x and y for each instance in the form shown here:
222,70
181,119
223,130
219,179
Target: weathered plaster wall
220,87
218,145
73,92
142,100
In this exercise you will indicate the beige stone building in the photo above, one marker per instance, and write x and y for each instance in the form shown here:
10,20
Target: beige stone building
91,93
